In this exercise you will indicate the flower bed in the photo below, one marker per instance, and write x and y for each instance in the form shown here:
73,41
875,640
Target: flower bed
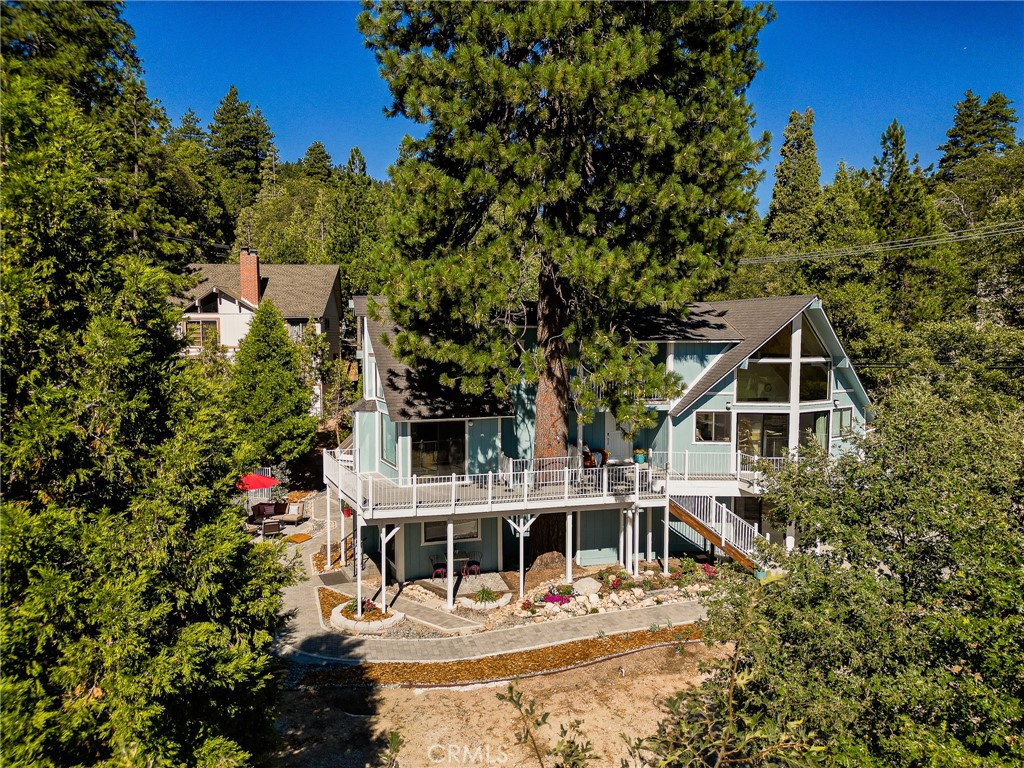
345,616
486,605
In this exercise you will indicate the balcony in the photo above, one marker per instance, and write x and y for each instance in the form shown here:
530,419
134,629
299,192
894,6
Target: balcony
532,485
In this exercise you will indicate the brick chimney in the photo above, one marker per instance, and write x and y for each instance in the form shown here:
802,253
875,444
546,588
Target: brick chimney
250,266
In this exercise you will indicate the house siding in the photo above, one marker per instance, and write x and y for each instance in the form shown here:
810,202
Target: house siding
417,555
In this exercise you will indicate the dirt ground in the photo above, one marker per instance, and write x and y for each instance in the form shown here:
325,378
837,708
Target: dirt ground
348,727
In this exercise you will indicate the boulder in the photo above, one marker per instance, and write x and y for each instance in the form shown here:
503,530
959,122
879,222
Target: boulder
549,560
587,586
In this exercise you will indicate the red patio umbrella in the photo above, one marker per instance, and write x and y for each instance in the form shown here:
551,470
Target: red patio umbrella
252,482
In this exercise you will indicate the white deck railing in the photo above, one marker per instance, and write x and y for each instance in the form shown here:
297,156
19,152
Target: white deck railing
522,484
731,528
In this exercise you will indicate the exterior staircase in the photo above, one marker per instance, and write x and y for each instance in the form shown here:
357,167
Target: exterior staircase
719,525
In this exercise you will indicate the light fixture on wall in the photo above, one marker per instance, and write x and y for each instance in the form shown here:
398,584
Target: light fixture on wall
728,405
835,403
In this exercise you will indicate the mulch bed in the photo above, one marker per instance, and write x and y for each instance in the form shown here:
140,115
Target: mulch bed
329,600
556,658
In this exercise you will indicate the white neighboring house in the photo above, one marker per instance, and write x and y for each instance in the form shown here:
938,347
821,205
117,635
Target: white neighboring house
223,302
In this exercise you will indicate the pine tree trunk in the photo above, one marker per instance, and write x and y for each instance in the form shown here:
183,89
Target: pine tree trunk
551,434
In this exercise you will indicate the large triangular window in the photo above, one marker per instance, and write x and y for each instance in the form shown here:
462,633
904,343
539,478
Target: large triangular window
810,342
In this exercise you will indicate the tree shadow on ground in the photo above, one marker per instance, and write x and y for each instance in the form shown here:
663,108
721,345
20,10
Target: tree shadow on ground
323,724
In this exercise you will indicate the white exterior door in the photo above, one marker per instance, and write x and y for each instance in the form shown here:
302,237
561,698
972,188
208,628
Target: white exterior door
614,442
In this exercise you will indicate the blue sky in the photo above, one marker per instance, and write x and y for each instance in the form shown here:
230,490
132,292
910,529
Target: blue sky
857,65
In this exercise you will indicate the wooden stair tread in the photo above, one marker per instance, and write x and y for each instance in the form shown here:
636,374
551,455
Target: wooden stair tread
680,513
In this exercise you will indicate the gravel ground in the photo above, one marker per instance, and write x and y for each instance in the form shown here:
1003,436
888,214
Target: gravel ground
346,727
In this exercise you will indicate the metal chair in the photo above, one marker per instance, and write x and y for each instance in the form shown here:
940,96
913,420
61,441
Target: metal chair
439,567
472,566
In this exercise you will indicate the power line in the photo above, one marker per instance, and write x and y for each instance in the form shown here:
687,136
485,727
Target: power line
906,244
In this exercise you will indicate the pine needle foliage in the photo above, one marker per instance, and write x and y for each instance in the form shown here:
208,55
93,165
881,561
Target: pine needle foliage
583,158
269,395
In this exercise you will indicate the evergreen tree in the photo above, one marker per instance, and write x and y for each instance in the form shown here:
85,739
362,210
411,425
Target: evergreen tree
189,129
135,615
241,140
316,163
86,48
268,395
920,283
356,162
588,157
977,129
797,183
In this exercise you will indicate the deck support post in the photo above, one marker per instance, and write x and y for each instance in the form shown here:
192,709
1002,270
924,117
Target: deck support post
359,565
622,551
450,563
664,544
629,542
650,535
385,537
568,547
636,541
521,528
790,536
501,544
327,565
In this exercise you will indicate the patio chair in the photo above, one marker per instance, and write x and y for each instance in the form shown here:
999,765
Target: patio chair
296,514
272,528
472,566
438,567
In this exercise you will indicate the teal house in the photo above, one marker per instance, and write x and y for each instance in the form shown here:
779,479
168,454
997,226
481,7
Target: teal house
433,478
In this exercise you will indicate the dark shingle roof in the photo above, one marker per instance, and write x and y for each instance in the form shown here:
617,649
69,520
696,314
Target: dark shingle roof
704,322
417,394
748,323
757,320
297,290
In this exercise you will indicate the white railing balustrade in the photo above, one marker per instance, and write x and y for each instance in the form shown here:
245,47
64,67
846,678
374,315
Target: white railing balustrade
730,527
752,464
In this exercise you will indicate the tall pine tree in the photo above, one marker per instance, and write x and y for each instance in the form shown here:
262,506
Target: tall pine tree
241,141
316,163
977,129
797,183
920,283
587,157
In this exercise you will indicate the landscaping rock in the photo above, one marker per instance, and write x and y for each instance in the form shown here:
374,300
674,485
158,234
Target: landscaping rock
647,602
638,592
549,560
594,599
587,586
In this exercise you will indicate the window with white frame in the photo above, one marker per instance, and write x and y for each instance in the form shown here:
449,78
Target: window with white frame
713,427
200,332
388,440
464,530
842,423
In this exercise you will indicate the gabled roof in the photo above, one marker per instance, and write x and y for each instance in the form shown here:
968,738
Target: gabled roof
417,394
297,290
757,320
703,322
746,323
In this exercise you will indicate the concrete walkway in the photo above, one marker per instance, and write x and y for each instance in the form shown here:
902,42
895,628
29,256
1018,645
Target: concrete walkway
306,640
442,621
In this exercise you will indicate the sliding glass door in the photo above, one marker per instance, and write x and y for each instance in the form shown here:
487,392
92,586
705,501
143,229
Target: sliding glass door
438,448
763,434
